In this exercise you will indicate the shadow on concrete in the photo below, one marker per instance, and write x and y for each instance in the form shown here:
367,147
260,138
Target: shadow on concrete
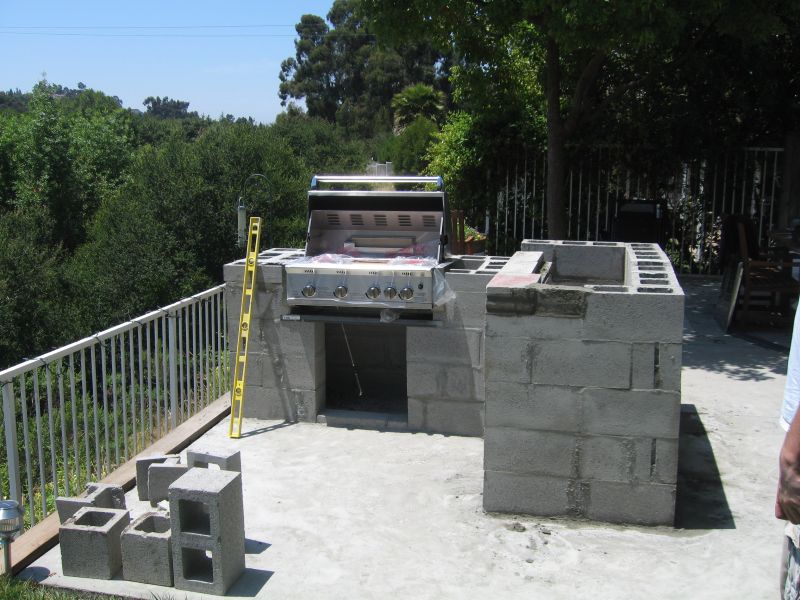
254,546
266,429
700,499
250,583
744,355
34,574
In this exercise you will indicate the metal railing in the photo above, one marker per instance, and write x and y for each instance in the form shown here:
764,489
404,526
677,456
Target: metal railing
76,413
745,181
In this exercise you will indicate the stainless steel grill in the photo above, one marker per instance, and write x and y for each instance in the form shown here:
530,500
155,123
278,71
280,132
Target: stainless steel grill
371,248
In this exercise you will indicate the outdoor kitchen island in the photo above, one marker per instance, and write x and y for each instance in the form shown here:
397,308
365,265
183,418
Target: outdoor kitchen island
565,356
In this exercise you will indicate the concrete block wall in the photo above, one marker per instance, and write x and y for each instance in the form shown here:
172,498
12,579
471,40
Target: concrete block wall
286,359
441,366
583,388
445,364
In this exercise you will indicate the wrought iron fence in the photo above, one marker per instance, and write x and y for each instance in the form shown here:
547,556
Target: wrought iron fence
76,413
692,200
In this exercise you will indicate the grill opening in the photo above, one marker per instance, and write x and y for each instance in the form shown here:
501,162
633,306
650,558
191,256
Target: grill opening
379,353
404,220
428,220
333,219
356,219
381,221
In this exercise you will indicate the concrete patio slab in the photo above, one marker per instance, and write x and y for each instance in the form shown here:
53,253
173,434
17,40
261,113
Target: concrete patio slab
347,513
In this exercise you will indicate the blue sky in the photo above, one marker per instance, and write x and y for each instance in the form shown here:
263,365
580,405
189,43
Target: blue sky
223,57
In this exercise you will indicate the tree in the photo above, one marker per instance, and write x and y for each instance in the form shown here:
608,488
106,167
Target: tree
166,108
591,55
418,100
344,77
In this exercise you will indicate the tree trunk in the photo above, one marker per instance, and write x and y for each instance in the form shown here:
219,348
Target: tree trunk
556,147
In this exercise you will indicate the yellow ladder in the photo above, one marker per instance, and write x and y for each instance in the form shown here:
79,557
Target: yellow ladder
240,363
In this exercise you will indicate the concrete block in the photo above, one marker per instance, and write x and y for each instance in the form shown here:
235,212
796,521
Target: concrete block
269,303
536,452
159,478
524,406
289,370
635,317
540,327
143,464
665,467
265,274
636,503
207,530
468,282
668,373
530,494
613,458
642,413
581,363
541,300
282,403
445,346
597,263
90,542
643,369
467,310
225,459
429,380
147,550
508,359
445,416
276,337
97,495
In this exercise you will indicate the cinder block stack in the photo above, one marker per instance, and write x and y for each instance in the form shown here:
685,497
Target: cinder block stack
583,386
207,521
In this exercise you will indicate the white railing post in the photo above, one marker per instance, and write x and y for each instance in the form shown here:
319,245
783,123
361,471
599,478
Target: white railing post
12,451
173,366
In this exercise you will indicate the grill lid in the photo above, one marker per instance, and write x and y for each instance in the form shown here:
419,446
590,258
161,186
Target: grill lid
376,223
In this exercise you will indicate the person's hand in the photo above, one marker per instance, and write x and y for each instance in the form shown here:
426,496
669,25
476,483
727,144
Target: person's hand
787,504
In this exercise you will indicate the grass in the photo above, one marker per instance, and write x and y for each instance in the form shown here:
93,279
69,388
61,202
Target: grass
25,590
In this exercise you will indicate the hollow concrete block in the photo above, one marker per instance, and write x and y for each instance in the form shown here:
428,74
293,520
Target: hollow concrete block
207,518
147,550
90,542
225,459
97,495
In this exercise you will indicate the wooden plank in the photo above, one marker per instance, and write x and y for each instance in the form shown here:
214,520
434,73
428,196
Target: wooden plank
44,535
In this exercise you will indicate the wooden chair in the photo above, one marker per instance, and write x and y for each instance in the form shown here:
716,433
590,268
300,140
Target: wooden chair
770,278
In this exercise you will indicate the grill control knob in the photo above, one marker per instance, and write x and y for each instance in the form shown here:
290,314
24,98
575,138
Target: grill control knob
309,291
373,292
406,293
390,292
340,291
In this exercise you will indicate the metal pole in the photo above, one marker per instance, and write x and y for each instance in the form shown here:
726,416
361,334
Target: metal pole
12,451
173,369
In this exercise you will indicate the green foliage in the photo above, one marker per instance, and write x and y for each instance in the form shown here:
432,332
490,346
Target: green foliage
106,214
344,77
418,100
167,108
31,316
407,151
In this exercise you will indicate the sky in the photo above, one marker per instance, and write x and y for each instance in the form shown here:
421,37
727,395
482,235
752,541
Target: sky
221,57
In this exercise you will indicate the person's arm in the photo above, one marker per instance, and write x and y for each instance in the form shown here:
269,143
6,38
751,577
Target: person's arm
787,504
